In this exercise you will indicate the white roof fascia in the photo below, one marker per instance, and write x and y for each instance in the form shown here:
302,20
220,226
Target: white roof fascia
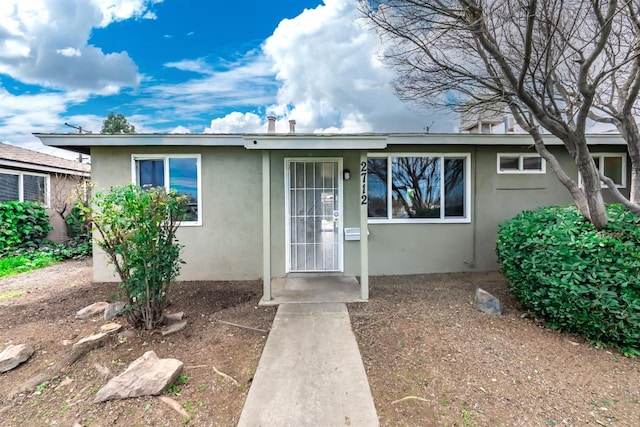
308,141
41,168
139,140
492,139
315,142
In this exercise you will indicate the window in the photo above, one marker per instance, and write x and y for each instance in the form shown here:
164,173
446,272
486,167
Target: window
174,172
613,166
521,163
419,188
24,187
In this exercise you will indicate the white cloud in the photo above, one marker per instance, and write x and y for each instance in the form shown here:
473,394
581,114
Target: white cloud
196,66
45,42
331,78
121,10
179,129
247,83
69,51
236,122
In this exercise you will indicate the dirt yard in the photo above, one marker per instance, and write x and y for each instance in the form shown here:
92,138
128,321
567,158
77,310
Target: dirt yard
430,357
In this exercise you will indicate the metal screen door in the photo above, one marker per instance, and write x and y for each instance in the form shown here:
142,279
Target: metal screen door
314,217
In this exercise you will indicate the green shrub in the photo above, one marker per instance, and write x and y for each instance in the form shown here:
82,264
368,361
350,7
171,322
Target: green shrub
78,226
136,229
10,265
23,225
579,279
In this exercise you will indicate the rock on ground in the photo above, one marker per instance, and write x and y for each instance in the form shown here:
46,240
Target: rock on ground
92,310
486,302
145,376
14,355
112,310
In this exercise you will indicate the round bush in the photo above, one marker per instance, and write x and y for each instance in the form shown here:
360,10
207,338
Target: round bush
579,279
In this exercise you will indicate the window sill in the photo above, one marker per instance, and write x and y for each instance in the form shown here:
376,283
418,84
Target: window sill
420,221
523,172
190,224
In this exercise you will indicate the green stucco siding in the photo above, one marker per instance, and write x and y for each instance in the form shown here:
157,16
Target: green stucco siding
228,244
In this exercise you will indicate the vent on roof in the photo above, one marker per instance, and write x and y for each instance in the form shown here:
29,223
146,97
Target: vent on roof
271,128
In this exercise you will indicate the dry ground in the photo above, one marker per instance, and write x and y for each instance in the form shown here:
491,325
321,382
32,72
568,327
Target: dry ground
420,339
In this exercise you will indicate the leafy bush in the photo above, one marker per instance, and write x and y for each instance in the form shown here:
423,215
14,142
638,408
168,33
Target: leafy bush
136,229
23,225
577,278
78,226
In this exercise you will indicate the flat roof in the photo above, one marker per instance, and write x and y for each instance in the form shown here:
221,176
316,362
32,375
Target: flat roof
289,141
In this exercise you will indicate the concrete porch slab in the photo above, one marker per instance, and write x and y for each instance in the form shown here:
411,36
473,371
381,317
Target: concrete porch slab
313,289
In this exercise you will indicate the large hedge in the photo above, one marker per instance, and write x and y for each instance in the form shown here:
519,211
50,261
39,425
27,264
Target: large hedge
577,278
23,225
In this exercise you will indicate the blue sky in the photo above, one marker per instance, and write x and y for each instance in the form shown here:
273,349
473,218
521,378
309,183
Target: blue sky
194,66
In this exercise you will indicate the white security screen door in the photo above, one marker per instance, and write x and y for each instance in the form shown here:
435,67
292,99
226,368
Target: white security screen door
314,215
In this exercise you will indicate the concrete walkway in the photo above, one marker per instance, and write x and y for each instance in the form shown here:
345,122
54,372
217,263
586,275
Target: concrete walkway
310,372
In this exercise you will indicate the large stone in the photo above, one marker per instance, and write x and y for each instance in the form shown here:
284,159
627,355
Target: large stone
92,310
14,355
174,317
112,310
173,328
145,376
486,302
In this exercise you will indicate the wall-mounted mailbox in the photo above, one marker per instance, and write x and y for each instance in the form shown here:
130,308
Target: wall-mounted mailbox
352,233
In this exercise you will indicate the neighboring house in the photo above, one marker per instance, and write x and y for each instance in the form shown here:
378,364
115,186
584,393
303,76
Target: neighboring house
272,205
27,175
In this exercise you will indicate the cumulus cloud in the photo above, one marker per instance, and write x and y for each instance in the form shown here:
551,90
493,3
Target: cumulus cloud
179,129
121,10
45,42
236,122
332,80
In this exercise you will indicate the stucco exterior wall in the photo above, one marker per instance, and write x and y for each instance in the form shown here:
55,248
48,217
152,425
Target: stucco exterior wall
228,244
430,248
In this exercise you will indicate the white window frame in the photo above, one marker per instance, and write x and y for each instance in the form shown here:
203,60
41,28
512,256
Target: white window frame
521,170
601,157
166,157
20,174
466,219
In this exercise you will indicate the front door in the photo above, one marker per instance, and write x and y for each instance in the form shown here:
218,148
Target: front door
313,215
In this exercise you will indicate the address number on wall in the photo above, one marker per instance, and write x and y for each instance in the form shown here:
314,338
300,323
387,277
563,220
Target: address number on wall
363,183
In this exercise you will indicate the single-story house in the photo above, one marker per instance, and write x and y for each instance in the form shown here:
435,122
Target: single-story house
28,175
266,206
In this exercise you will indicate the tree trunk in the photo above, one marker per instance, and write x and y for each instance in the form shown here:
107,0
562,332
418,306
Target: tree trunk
579,196
591,185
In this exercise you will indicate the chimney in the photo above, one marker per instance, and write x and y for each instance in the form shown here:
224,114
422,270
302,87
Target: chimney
292,126
272,124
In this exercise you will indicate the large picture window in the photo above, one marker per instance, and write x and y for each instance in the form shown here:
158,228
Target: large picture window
23,187
426,188
173,172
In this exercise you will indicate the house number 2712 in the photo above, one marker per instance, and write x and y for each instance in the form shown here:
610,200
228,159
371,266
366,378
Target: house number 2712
363,182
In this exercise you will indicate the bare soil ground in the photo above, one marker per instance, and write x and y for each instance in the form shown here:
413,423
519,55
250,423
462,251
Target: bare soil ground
430,357
422,341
